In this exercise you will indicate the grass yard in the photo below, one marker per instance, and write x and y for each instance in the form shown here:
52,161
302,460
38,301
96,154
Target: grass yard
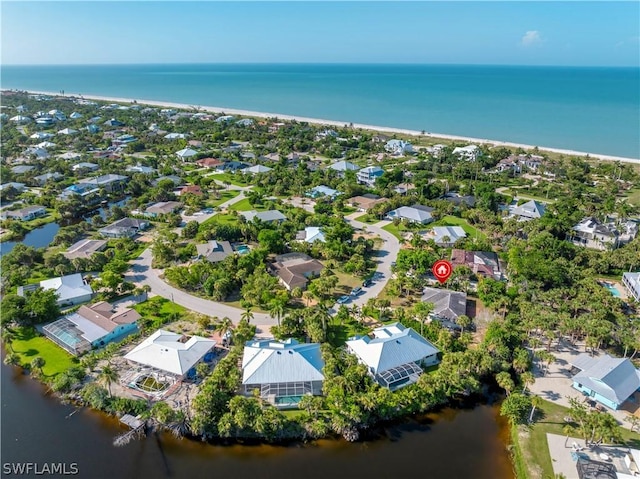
366,218
228,177
533,440
225,195
222,219
160,310
346,282
455,221
245,205
633,196
29,345
395,230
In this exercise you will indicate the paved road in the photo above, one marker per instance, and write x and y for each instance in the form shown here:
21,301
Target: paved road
141,273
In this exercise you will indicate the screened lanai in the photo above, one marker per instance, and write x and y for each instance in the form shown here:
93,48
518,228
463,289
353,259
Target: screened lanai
399,376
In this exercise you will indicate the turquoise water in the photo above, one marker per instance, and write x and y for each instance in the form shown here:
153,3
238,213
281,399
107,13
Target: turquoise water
586,109
612,289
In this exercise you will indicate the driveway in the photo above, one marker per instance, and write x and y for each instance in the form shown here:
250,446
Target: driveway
141,273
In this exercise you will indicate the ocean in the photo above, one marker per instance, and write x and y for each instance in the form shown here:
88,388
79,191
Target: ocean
596,110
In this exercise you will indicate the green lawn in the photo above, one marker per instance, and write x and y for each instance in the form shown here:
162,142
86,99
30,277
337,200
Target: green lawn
551,420
232,179
221,219
244,205
160,310
224,196
365,218
455,221
395,230
633,196
29,344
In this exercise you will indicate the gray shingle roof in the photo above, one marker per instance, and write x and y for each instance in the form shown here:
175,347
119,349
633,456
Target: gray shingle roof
447,304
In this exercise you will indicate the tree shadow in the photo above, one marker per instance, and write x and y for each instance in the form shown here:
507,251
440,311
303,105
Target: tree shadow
551,395
29,352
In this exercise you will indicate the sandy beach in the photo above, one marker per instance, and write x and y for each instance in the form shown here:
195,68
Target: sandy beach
317,121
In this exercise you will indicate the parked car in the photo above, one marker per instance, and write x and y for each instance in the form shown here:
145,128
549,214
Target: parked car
366,283
356,291
343,299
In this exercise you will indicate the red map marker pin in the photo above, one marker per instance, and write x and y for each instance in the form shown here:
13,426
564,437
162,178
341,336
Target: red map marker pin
442,270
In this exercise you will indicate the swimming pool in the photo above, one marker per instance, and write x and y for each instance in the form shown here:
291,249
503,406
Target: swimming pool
612,289
242,249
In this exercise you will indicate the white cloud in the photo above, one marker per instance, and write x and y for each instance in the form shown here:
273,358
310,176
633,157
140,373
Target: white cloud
531,38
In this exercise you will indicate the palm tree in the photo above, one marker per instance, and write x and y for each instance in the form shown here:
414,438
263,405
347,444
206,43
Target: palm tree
276,310
527,379
224,326
505,382
8,336
147,289
37,364
107,376
247,315
535,402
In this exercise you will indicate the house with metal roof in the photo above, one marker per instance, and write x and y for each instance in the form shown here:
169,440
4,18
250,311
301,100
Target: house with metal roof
110,182
369,175
256,169
322,190
271,216
527,211
282,371
186,153
448,305
71,289
395,355
610,381
342,166
311,234
124,228
25,214
92,326
414,214
445,235
43,179
172,353
214,251
631,281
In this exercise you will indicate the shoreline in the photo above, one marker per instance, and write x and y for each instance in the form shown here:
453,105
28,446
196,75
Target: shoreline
319,121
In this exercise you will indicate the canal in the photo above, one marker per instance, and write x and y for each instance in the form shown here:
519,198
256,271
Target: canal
451,444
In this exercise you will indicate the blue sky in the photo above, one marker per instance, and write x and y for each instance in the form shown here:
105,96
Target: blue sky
512,33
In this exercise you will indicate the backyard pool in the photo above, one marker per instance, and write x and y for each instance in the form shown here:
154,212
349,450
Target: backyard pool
612,289
242,249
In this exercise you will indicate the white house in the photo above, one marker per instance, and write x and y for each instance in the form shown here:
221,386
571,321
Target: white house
71,289
342,166
282,371
631,281
173,353
253,170
311,234
469,152
398,147
395,355
369,175
527,211
592,233
445,235
186,153
264,216
41,135
67,131
414,214
175,136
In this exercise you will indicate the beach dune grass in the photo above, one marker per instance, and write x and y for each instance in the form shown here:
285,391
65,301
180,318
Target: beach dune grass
29,344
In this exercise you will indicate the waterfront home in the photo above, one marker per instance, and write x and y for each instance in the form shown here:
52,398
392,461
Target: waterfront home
173,353
109,182
610,381
224,118
71,289
447,304
85,166
485,263
162,208
271,216
365,202
595,234
43,179
445,236
209,163
294,270
81,190
84,248
92,326
412,214
509,164
394,356
322,190
398,147
311,234
245,122
282,372
435,150
631,281
25,214
369,175
469,152
254,170
186,153
22,169
527,211
124,228
144,170
67,131
342,166
214,251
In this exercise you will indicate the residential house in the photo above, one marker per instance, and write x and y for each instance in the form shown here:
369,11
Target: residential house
162,208
209,163
271,216
67,131
82,190
38,152
322,190
435,150
631,281
233,166
295,269
25,214
124,228
413,214
19,187
509,164
369,175
85,166
224,118
610,381
113,122
311,234
404,188
71,289
256,169
172,353
92,326
20,119
41,135
144,170
45,144
245,122
445,236
469,152
175,136
282,372
186,153
527,211
214,251
69,155
458,200
447,304
395,355
22,169
398,147
109,182
175,179
75,115
343,166
43,179
485,263
84,248
366,202
188,189
593,233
